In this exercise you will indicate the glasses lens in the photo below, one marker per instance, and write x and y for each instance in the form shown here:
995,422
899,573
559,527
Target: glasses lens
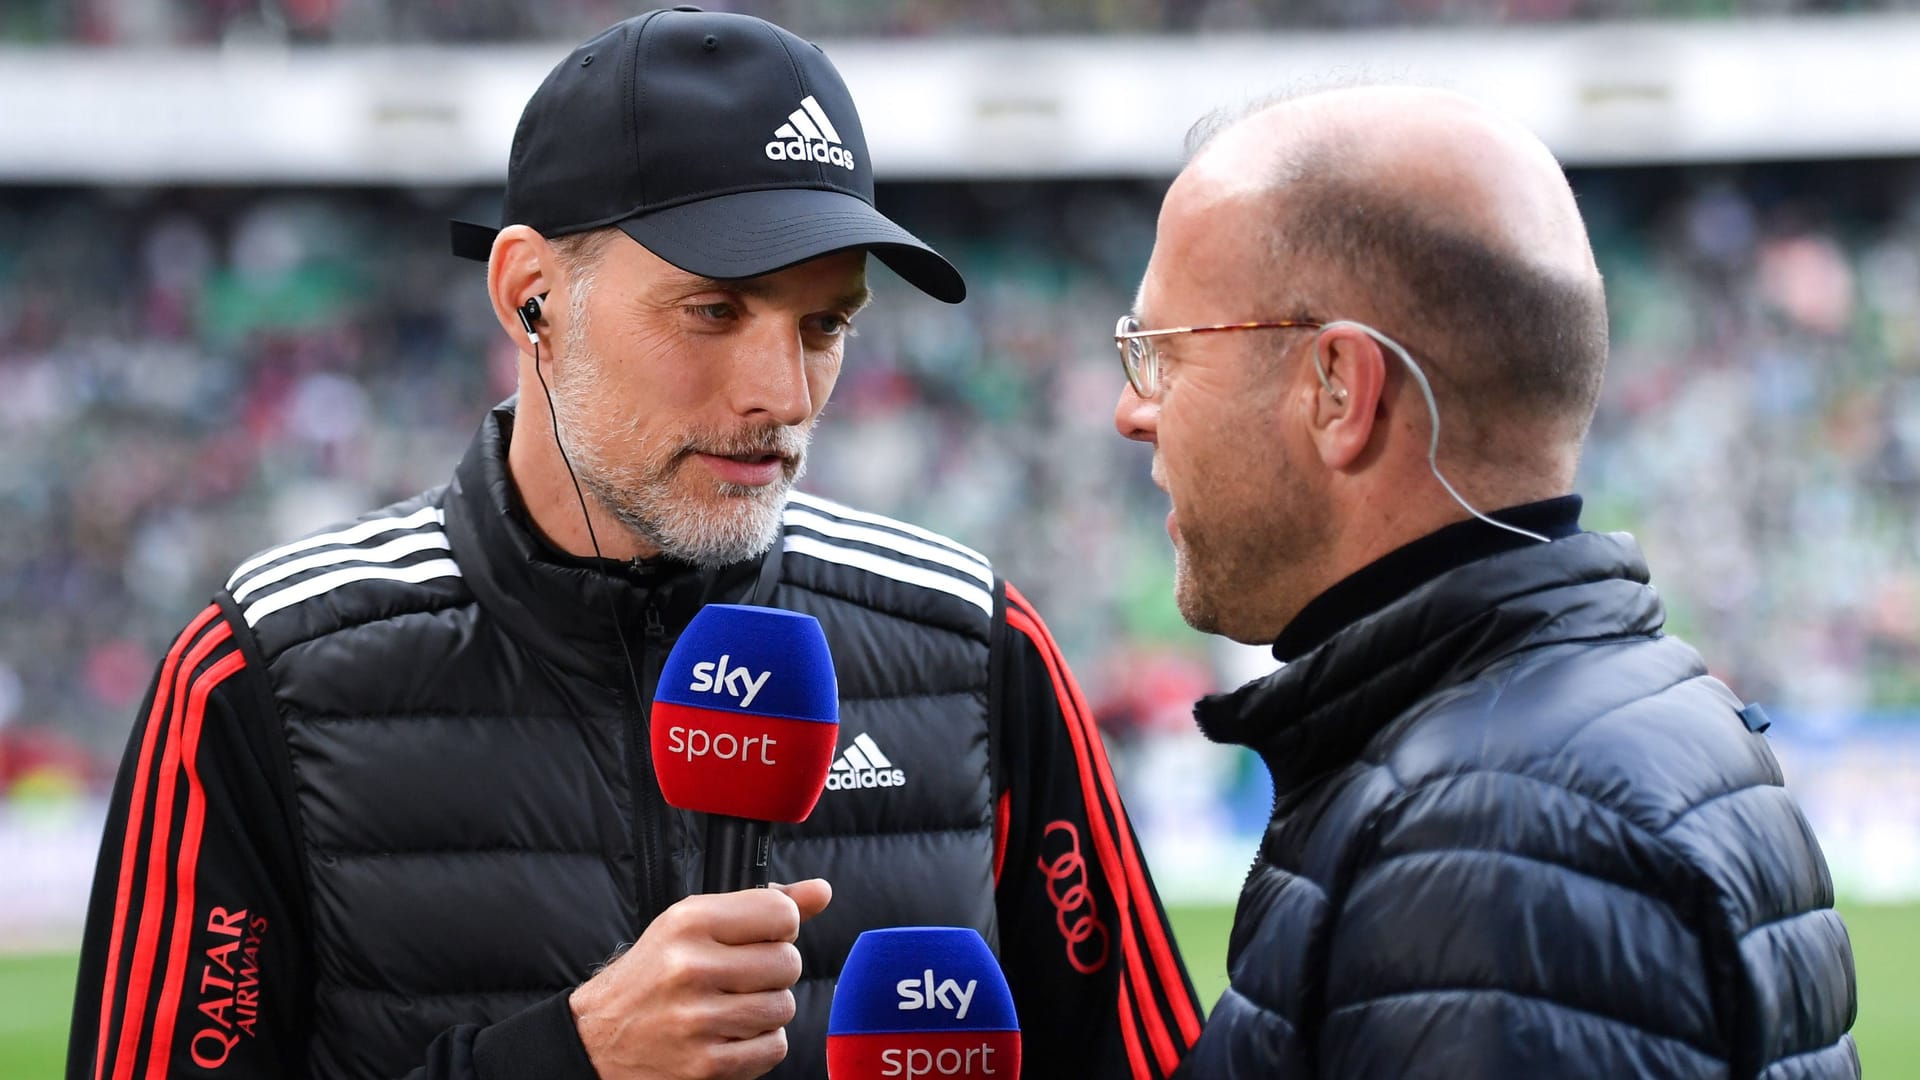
1136,355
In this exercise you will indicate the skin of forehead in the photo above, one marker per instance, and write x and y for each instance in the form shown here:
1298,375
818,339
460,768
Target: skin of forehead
1437,153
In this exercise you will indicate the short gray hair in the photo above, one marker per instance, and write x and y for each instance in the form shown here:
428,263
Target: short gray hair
580,251
1505,337
1510,338
1212,124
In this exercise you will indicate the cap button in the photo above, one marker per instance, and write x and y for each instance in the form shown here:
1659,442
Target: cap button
687,7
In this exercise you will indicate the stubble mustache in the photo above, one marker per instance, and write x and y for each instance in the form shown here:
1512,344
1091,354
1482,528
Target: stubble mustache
787,442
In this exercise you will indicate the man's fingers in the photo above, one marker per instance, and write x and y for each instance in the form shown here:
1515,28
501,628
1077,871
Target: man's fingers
811,896
750,1057
744,918
752,969
749,1016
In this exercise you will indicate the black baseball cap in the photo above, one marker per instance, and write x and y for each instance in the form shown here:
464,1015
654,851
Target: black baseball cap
724,144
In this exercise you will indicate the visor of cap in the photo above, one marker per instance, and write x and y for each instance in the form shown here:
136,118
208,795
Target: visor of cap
750,233
472,240
758,232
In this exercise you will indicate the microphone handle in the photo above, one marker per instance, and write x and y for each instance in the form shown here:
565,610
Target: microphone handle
738,850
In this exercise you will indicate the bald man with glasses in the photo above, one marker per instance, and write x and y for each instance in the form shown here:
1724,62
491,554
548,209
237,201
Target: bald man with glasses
1518,830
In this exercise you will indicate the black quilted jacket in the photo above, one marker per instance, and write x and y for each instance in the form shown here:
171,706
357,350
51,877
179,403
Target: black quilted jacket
1520,832
391,797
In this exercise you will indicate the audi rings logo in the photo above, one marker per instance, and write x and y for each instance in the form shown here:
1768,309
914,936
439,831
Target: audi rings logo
1073,908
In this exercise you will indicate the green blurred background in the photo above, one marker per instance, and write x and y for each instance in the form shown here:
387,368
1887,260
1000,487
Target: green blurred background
213,337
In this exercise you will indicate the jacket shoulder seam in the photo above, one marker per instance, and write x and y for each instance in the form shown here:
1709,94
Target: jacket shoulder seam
1845,1038
1541,998
1710,800
283,647
1657,835
1519,856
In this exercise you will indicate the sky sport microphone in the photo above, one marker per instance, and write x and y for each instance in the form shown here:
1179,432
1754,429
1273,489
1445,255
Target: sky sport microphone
745,722
922,1001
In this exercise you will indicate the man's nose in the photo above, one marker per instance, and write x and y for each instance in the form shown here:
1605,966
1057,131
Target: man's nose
771,379
1134,417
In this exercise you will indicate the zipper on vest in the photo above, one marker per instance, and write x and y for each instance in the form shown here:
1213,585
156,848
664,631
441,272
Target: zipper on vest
650,811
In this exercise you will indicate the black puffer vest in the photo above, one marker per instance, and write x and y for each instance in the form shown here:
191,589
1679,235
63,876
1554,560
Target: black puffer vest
1519,832
471,771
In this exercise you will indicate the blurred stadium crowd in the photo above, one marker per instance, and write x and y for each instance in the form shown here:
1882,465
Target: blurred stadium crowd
188,376
199,22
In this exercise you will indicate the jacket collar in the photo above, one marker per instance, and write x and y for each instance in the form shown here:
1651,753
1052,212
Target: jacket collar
1319,712
562,606
1406,568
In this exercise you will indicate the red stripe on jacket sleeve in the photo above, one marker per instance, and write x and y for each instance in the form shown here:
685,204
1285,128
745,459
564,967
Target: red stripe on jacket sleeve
183,910
153,905
1130,1036
1112,864
1171,978
136,818
1002,815
1107,853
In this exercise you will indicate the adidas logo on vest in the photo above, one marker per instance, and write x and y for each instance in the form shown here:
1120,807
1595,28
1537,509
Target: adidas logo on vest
862,765
808,136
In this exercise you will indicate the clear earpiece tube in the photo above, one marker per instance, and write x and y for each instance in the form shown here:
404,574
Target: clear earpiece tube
1433,410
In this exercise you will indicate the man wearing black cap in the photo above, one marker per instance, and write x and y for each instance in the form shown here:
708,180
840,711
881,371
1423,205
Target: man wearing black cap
390,805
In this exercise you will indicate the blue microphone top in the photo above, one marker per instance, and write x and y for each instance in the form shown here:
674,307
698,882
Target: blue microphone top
920,979
745,659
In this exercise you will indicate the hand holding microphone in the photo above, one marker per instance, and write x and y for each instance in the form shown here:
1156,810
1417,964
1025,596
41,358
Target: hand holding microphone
922,1001
744,727
706,992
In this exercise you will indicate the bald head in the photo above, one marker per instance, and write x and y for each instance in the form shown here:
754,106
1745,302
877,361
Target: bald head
1441,222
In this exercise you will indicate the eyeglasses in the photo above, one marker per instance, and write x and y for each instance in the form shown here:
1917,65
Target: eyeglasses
1142,359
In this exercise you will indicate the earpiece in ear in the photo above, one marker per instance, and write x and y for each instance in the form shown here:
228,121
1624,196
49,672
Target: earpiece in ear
529,313
1337,393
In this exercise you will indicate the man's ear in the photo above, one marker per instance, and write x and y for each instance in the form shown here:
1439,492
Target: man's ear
1350,376
520,267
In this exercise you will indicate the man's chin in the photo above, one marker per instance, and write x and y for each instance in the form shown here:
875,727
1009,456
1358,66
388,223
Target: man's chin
719,529
1195,607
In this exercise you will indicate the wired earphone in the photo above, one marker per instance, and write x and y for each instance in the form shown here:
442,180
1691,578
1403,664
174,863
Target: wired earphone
529,313
1433,410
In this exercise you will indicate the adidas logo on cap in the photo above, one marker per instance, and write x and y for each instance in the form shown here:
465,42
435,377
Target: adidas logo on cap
862,765
808,136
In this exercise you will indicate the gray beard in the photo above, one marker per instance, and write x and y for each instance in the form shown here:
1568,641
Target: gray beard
737,523
744,526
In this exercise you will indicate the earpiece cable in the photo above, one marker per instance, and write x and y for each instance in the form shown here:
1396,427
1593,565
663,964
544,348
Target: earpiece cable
633,676
1433,410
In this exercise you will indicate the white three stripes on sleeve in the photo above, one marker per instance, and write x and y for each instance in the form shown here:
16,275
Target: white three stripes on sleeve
841,530
835,510
937,580
351,535
963,572
312,587
256,578
391,551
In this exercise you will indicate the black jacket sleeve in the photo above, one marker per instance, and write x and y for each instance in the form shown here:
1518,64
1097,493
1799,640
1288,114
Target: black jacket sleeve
539,1040
196,955
193,961
1096,976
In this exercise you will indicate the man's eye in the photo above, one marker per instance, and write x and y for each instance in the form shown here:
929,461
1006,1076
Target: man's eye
718,312
833,325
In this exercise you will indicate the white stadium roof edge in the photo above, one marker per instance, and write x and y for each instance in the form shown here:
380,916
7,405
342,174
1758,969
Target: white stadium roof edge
956,108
